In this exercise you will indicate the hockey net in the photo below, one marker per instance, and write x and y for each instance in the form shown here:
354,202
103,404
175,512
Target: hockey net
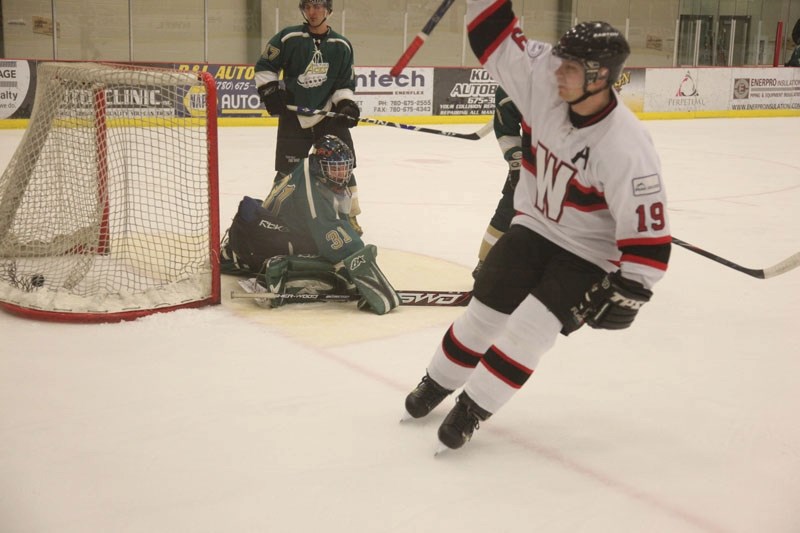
109,206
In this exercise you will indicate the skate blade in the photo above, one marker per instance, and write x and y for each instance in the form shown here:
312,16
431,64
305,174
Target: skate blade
441,449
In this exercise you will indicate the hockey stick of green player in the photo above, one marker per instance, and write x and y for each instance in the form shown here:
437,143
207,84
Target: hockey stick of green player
784,266
481,133
415,298
416,44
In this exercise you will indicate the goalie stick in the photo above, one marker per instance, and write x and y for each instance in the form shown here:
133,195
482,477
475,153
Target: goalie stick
415,298
420,38
480,134
784,266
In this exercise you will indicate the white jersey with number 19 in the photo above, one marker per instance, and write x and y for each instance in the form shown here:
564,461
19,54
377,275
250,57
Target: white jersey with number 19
592,187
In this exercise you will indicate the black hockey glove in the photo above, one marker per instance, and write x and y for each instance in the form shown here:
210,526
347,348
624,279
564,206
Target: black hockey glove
614,302
514,158
349,108
273,95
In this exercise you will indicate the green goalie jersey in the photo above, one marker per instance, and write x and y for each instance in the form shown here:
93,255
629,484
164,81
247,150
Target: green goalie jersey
309,208
314,67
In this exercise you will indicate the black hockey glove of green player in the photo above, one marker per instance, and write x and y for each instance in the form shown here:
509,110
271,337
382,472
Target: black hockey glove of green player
273,96
514,158
614,302
351,111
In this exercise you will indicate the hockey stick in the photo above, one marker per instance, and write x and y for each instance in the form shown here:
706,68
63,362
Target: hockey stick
420,38
415,298
784,266
481,133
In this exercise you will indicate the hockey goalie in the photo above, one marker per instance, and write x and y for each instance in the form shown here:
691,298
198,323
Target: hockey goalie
299,240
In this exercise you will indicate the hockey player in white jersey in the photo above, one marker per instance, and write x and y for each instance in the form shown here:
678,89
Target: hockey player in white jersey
590,238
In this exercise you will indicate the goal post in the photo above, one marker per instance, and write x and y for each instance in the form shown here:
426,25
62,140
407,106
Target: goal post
109,207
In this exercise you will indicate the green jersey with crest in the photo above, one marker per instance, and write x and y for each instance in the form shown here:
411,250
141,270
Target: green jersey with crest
314,67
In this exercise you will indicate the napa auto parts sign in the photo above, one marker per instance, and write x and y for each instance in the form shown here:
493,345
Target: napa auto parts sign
236,88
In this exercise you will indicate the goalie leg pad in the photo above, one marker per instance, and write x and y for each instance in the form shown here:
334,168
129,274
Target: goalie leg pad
301,274
377,294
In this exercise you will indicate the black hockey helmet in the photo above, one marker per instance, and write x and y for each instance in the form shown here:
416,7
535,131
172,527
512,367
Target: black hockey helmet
327,3
595,45
335,160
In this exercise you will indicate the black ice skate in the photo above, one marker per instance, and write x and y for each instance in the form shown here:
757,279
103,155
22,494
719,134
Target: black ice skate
425,397
461,422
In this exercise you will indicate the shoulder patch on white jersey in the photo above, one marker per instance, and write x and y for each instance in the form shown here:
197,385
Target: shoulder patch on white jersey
646,185
537,48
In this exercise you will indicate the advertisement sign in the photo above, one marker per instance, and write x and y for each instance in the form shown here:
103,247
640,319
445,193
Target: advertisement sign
630,88
686,89
435,91
236,88
378,93
17,82
463,91
760,89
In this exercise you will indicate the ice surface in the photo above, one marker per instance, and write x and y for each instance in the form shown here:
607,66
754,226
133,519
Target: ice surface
240,419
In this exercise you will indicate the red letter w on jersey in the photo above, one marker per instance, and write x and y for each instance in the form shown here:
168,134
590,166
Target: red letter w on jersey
552,180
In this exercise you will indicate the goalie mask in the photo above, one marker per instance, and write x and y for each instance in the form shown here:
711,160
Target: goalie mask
335,160
595,45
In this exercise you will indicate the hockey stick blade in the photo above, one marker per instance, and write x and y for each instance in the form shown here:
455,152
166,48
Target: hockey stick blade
411,298
438,298
790,263
420,38
481,133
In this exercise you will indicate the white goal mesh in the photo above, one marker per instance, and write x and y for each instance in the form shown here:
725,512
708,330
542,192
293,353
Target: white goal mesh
108,208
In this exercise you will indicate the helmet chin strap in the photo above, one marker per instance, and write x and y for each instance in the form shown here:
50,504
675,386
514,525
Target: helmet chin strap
320,24
586,94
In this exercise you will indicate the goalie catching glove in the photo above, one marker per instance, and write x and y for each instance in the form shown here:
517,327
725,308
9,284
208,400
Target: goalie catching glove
613,303
377,294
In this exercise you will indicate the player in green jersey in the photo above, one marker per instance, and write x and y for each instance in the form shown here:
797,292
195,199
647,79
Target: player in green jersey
508,131
309,65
